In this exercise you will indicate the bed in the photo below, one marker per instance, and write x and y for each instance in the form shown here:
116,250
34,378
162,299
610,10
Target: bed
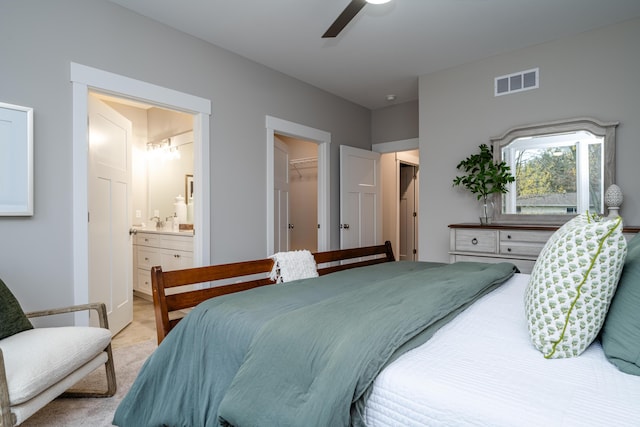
464,359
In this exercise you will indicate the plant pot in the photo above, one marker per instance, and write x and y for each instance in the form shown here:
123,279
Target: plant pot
486,211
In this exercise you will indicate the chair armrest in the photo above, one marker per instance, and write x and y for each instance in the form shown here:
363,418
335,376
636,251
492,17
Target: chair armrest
99,307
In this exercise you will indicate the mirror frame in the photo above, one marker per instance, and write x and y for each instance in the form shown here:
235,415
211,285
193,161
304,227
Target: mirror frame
607,130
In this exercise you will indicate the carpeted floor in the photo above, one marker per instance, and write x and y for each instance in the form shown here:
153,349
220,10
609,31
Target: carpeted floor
96,412
131,347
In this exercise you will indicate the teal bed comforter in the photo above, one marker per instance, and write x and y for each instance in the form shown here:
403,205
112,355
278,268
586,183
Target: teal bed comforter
302,353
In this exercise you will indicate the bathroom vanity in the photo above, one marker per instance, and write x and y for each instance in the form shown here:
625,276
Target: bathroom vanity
173,250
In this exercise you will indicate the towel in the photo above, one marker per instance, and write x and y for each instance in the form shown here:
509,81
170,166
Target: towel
293,265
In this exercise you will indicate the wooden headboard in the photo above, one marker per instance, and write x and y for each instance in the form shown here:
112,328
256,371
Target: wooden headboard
167,305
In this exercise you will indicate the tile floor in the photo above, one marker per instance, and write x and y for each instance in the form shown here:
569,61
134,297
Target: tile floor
142,328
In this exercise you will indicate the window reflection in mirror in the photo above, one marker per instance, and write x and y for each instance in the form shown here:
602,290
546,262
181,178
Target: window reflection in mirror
562,168
556,174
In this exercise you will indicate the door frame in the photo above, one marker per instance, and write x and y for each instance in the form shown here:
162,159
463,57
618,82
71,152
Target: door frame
323,139
416,182
84,79
398,147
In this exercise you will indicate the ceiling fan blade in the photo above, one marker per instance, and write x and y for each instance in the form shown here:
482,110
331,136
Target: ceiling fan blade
345,17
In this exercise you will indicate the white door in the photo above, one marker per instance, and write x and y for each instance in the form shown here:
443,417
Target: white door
109,197
281,197
360,202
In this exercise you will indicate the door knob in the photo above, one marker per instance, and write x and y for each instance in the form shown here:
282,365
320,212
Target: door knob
345,226
132,231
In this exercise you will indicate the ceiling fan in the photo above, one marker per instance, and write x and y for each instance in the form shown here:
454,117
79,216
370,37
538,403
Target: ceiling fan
347,15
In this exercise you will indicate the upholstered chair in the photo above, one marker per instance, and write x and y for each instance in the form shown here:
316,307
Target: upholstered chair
39,364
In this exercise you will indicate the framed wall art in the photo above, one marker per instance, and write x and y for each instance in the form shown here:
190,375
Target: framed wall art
16,160
188,187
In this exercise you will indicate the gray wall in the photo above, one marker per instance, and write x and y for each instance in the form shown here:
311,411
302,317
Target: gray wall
39,39
395,122
592,74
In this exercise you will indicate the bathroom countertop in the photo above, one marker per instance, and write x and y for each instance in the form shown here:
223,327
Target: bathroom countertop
155,230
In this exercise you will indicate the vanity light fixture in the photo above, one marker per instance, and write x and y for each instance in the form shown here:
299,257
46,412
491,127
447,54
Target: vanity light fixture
163,150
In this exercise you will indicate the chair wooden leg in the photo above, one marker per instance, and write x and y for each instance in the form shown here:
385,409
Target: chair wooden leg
7,418
111,381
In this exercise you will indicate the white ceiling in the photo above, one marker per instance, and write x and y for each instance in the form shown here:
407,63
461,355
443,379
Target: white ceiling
386,47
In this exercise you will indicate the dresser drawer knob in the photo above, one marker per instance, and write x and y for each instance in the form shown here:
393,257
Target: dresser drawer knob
508,249
508,236
474,241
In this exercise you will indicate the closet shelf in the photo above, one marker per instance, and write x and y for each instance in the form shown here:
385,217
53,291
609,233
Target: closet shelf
303,163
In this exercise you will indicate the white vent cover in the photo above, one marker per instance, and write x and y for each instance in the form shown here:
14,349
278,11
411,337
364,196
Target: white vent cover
517,82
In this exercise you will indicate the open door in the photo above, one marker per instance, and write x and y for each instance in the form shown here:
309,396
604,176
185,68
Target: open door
360,202
281,197
109,191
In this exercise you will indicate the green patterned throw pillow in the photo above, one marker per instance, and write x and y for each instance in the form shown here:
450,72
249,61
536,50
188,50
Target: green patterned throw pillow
572,284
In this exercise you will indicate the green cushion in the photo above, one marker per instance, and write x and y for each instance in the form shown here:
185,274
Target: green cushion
621,331
12,318
572,284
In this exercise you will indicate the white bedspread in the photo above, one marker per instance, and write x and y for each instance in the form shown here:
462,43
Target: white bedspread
481,370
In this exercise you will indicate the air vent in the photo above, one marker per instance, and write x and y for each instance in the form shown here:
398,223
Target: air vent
517,82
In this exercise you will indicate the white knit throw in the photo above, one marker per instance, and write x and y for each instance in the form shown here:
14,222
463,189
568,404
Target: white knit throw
293,265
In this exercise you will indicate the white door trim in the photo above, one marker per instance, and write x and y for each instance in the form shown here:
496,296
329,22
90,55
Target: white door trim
84,78
323,139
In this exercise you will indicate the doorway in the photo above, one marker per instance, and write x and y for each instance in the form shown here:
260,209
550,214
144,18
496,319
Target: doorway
322,140
83,79
408,212
160,156
400,183
302,172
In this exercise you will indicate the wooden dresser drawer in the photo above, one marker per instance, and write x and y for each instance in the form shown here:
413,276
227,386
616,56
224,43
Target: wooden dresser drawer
520,248
525,236
523,243
473,240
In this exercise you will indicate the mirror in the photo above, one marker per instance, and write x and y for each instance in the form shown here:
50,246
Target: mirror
562,168
166,170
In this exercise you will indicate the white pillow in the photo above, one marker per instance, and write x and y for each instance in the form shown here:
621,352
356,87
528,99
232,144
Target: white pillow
572,284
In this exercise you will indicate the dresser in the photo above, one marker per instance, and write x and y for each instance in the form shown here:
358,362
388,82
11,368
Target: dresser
518,244
171,250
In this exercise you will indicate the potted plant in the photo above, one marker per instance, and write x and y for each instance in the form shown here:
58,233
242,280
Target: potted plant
484,177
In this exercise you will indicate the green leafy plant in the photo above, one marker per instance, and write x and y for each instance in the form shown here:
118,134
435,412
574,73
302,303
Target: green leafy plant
483,176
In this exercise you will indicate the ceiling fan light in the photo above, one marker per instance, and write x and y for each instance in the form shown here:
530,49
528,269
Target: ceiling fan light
378,1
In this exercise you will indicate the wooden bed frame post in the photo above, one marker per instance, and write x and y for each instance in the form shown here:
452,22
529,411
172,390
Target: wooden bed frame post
159,303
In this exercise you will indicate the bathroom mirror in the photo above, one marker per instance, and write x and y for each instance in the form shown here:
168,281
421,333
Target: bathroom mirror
166,169
562,168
